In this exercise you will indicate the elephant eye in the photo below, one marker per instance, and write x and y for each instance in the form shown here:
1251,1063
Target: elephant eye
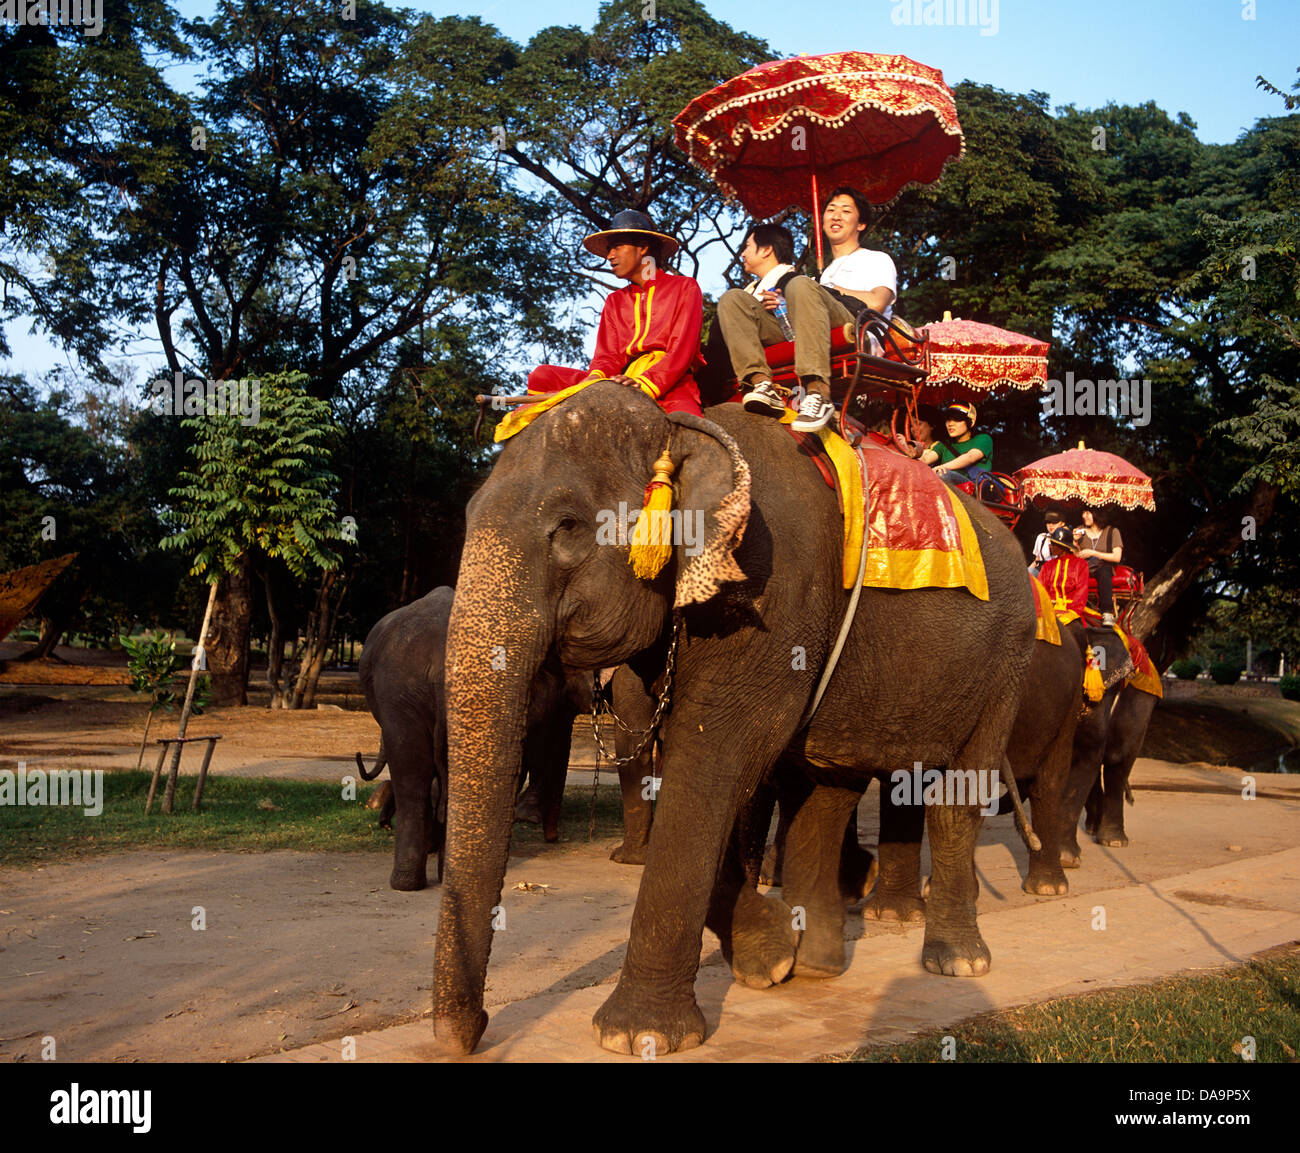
566,524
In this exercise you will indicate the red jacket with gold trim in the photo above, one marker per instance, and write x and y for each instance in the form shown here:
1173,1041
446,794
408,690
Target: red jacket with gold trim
1066,580
651,332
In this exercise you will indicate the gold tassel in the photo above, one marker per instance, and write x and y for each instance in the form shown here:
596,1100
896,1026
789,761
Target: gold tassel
652,538
1093,687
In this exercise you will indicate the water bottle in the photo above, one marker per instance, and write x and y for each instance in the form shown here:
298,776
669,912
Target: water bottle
782,316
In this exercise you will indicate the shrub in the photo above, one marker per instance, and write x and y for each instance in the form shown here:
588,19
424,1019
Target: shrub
1290,686
1225,672
1186,670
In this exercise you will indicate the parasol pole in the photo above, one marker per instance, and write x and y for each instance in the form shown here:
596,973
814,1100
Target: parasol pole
817,221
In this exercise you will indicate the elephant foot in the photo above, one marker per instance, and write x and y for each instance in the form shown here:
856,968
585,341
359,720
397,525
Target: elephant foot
408,879
821,952
769,872
858,872
457,1036
528,809
645,1025
893,907
961,955
1111,838
763,942
1045,884
627,854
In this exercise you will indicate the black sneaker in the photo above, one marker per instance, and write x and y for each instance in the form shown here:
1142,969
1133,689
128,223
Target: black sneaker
764,398
815,413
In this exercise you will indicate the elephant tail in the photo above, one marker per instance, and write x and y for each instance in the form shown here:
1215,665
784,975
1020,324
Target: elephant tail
380,762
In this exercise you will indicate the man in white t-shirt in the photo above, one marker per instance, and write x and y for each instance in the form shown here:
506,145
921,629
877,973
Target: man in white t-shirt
856,277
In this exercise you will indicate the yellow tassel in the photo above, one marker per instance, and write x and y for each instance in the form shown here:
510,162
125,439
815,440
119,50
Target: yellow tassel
1093,687
652,539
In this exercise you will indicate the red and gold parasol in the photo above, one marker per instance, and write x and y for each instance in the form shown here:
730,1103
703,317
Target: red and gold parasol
969,360
1089,476
878,123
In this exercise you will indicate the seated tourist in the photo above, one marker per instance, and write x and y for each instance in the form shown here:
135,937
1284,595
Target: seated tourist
1055,519
1103,548
649,335
967,455
856,278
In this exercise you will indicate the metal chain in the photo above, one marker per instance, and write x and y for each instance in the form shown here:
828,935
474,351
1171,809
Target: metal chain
647,734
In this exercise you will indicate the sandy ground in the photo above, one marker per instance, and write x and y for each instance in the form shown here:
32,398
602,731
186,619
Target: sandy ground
298,948
104,954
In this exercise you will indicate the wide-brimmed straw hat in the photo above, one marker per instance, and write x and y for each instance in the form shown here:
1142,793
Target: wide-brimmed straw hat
625,227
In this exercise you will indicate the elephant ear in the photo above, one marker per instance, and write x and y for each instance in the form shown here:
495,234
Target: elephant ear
714,485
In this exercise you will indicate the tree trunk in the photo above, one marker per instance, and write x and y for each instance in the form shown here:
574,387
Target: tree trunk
1220,532
227,648
52,630
316,638
274,649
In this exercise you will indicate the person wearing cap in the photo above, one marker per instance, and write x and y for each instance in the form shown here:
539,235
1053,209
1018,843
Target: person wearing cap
1054,519
649,335
1065,576
968,456
856,278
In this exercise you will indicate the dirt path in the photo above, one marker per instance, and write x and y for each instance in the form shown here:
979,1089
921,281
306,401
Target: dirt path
302,948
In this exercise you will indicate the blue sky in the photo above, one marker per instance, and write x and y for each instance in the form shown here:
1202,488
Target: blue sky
1195,56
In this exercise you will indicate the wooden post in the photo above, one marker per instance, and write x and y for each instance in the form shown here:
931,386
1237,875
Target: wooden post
203,771
169,797
157,772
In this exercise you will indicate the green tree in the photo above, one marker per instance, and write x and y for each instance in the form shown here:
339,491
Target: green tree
260,492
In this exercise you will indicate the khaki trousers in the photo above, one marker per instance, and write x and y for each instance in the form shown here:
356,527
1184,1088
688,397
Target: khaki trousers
748,328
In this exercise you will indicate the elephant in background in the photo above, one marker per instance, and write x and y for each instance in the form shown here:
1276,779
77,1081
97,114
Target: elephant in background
1099,777
403,675
763,583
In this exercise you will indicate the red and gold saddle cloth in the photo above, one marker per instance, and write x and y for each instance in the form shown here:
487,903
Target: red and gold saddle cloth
919,535
1046,626
1146,677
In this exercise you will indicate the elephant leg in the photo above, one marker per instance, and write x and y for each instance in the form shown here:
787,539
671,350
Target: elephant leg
1046,877
897,893
555,771
813,853
953,944
635,706
858,866
1128,729
756,933
652,1010
1085,765
411,766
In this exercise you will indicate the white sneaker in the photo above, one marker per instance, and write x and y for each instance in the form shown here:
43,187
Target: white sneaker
1108,618
815,412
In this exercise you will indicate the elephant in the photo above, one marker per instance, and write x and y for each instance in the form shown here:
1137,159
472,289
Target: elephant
1099,776
545,578
1040,754
402,672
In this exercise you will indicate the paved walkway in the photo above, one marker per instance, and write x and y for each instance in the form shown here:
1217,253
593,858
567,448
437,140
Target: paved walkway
1161,917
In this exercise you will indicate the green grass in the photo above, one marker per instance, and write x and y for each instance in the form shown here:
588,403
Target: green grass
243,814
1180,1019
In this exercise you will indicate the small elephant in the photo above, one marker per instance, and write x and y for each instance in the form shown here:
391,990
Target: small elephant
402,672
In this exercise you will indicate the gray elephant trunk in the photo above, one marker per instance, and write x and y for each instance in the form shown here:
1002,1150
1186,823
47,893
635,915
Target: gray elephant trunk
495,647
